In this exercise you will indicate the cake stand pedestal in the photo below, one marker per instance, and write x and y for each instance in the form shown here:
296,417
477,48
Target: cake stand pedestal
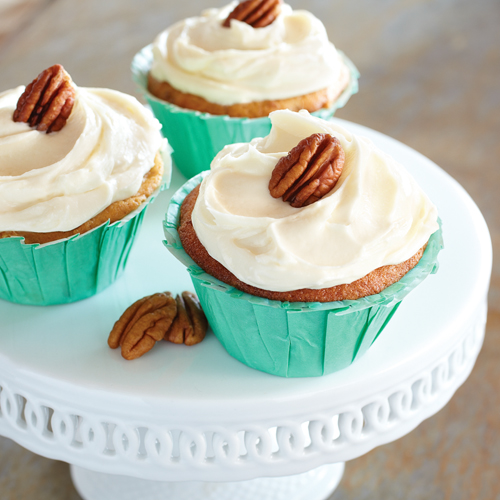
192,422
316,484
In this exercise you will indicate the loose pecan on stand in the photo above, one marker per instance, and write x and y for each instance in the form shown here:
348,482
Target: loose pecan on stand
156,317
256,13
309,171
47,101
190,324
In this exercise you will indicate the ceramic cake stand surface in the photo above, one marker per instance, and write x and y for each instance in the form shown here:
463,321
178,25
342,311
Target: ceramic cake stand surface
192,422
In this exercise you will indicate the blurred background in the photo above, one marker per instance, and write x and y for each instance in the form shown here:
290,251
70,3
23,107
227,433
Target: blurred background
430,77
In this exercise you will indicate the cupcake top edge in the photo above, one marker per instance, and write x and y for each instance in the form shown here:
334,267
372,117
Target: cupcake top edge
239,63
375,214
56,179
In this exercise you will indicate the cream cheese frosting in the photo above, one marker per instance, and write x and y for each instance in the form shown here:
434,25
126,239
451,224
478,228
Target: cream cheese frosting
376,214
240,64
58,181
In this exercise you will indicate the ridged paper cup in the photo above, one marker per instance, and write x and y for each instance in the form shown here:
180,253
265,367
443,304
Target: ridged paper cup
197,137
293,339
73,268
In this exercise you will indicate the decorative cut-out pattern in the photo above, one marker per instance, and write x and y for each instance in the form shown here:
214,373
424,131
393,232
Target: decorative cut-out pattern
164,452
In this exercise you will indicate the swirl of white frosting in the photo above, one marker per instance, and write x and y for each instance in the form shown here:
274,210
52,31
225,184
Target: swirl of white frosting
376,215
58,181
290,57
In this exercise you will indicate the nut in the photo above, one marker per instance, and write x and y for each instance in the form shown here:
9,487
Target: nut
190,324
309,171
256,13
155,317
143,324
47,101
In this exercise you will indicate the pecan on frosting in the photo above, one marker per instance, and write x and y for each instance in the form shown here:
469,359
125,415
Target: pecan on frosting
309,171
256,13
47,101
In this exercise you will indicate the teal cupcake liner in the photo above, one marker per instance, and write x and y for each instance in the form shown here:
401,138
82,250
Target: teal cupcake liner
293,339
197,137
73,268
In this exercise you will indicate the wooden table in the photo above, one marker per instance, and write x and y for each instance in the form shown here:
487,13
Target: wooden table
430,77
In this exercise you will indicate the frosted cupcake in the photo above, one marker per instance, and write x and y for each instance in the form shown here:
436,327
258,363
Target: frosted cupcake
303,290
213,79
78,167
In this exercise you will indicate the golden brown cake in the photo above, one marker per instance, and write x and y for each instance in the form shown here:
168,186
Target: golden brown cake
114,212
306,217
247,61
304,244
74,161
92,147
311,102
370,284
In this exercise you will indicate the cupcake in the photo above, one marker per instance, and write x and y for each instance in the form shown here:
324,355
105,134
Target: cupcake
78,168
302,244
212,80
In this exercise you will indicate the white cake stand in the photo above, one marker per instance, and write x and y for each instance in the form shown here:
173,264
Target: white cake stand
191,422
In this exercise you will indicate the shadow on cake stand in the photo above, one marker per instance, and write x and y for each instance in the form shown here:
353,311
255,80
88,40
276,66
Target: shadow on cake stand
192,422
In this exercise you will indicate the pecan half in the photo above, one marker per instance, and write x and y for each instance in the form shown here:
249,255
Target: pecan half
309,171
190,324
47,101
256,13
143,324
158,317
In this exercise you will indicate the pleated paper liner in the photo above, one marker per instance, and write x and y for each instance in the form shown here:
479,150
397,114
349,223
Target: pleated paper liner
73,268
197,137
293,339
